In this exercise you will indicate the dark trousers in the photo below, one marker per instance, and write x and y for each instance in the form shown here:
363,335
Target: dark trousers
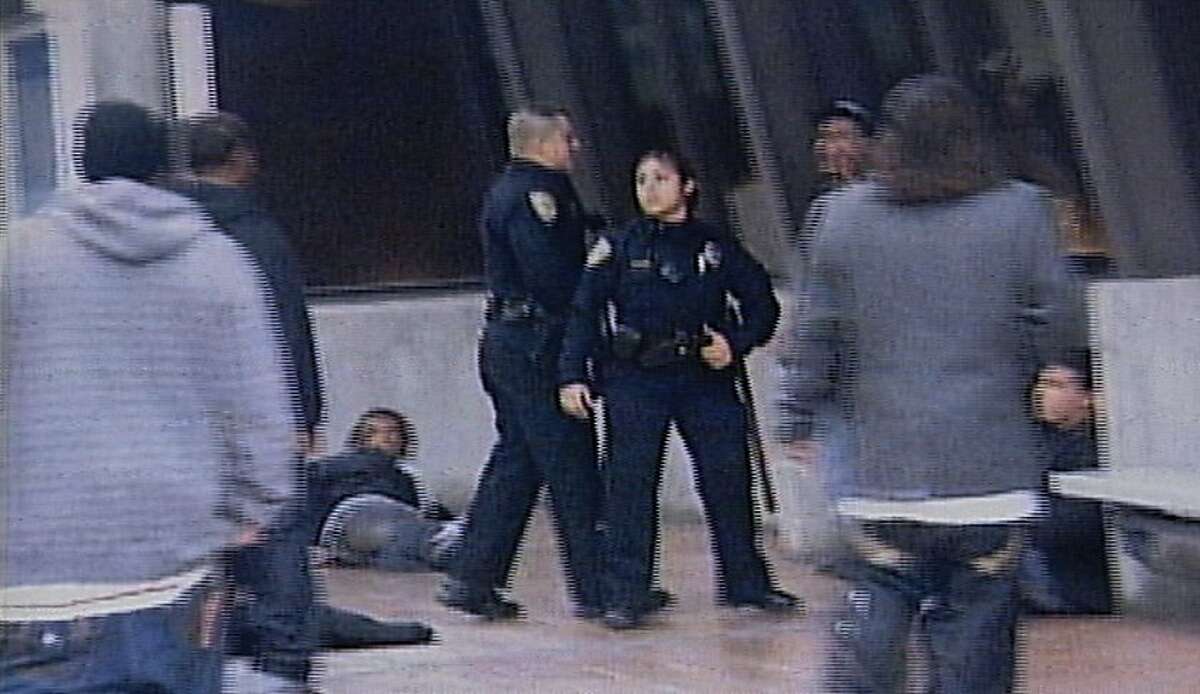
277,624
1066,569
956,582
638,409
175,648
537,445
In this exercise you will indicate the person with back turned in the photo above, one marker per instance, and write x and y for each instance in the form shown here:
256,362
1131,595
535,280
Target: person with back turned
147,427
533,231
283,622
934,295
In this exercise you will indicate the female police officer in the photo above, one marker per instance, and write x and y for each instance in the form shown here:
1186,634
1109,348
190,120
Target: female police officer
668,280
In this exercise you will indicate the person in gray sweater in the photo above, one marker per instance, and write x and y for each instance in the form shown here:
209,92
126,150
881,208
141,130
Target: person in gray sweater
148,426
934,292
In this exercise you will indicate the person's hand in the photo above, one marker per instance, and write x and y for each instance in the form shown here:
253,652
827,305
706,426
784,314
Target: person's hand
576,400
804,452
311,444
717,353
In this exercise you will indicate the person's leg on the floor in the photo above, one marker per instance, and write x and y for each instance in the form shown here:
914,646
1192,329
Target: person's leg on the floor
109,653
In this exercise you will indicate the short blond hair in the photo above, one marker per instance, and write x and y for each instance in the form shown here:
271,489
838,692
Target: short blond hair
529,126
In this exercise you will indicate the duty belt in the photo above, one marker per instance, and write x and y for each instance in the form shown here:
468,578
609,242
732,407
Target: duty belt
517,310
654,351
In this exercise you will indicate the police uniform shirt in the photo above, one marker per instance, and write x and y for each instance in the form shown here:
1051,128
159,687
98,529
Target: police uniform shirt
664,278
533,233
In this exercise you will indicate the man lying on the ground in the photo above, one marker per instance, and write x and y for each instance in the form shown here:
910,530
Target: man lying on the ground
368,507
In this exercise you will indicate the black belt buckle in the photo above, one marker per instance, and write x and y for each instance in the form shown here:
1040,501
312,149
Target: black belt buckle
47,640
511,310
517,311
679,348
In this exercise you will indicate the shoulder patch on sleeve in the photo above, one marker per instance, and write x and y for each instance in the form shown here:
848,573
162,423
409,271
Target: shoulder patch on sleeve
543,205
600,253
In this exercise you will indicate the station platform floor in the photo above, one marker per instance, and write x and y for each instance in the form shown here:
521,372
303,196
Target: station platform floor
696,647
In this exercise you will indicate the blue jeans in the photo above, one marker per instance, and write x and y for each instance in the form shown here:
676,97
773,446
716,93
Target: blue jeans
174,648
957,583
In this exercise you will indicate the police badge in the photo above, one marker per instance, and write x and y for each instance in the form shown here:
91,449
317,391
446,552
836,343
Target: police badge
600,253
543,206
709,258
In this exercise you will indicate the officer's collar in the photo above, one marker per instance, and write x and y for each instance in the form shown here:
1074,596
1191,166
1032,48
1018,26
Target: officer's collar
669,228
521,164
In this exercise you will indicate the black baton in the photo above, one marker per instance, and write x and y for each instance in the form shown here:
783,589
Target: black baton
757,454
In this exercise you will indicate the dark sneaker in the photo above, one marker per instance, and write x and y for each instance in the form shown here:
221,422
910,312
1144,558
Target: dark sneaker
483,603
775,601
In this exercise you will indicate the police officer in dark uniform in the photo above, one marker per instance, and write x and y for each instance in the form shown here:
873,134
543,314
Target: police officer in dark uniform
674,348
533,228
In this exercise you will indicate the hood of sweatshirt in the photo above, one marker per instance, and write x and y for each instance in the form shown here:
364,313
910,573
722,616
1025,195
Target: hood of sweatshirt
130,221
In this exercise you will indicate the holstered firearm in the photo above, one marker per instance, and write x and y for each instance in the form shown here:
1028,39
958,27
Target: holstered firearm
547,327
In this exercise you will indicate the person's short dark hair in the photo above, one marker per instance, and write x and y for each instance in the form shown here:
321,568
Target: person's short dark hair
850,110
212,139
119,139
681,165
364,426
934,142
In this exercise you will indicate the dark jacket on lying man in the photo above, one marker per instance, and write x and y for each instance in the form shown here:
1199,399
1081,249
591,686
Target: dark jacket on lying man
370,509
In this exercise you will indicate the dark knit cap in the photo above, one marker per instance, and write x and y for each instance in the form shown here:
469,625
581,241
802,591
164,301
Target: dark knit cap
122,140
851,110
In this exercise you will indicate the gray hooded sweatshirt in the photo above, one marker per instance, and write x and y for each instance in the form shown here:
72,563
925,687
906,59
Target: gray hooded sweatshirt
145,405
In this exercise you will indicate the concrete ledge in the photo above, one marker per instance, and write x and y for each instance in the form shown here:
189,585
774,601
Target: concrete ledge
1170,491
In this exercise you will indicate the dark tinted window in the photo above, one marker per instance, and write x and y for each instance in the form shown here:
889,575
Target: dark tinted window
379,131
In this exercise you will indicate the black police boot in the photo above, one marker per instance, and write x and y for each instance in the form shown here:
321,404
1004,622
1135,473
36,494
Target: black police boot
659,600
344,629
621,618
486,603
775,601
589,612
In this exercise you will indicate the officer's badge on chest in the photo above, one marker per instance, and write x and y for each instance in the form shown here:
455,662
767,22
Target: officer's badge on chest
709,258
543,206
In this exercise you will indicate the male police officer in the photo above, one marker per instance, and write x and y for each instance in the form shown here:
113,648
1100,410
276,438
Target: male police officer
533,228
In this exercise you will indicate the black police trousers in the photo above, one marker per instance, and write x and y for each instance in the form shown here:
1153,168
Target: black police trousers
639,407
537,445
957,583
